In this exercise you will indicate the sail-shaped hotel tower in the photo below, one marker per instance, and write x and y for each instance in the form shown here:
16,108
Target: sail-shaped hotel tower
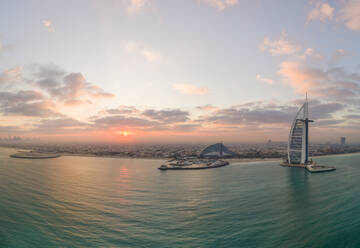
298,143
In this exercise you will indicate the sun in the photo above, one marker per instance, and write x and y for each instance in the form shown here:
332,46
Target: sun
123,133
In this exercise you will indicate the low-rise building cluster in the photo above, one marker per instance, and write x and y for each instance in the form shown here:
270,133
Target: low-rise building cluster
268,150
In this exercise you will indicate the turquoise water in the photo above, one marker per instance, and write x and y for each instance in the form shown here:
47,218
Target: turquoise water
105,202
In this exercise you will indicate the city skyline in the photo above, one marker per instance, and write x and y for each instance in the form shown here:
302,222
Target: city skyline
178,71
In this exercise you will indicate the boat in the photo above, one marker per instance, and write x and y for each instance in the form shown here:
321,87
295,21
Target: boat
315,168
195,165
298,143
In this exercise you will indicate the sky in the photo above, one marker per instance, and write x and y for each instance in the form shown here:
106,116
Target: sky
137,71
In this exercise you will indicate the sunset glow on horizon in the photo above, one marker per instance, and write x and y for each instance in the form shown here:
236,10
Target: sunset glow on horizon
137,71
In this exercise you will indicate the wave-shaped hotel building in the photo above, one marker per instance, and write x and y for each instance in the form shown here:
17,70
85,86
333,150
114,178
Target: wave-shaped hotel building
217,150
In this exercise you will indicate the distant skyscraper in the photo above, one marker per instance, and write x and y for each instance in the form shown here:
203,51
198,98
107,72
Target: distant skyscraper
342,141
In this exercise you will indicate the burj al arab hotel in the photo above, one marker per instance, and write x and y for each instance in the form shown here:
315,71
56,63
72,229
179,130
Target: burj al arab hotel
298,143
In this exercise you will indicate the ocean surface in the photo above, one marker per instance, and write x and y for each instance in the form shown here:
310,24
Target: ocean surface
107,202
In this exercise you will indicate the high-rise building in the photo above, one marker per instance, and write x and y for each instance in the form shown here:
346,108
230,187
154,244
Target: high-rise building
298,144
342,141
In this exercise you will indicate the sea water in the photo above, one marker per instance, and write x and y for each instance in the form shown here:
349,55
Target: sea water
109,202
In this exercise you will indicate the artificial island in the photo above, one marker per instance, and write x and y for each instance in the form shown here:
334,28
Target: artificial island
209,158
34,155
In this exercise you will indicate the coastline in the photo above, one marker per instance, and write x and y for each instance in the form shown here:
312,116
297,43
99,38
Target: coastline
230,160
252,160
336,155
107,156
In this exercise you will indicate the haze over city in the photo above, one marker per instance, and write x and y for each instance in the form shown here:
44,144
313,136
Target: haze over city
178,71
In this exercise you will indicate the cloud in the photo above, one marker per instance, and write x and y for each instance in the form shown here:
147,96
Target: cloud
74,84
148,120
95,91
337,56
46,71
10,98
309,53
123,109
7,129
330,84
186,127
279,47
321,11
190,89
48,25
207,107
251,116
328,123
60,125
52,89
137,6
11,76
263,114
26,103
102,95
121,121
266,80
71,88
300,78
167,115
37,109
350,14
321,110
141,50
357,117
220,5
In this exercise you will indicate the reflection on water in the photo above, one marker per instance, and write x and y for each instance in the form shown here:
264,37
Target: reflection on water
106,202
298,186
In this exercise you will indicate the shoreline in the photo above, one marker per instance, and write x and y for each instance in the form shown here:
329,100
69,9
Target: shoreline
108,156
230,160
336,155
252,160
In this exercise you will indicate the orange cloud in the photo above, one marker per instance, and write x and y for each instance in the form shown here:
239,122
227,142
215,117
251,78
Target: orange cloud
349,14
266,80
190,89
142,50
207,107
279,47
11,75
302,80
334,83
321,11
